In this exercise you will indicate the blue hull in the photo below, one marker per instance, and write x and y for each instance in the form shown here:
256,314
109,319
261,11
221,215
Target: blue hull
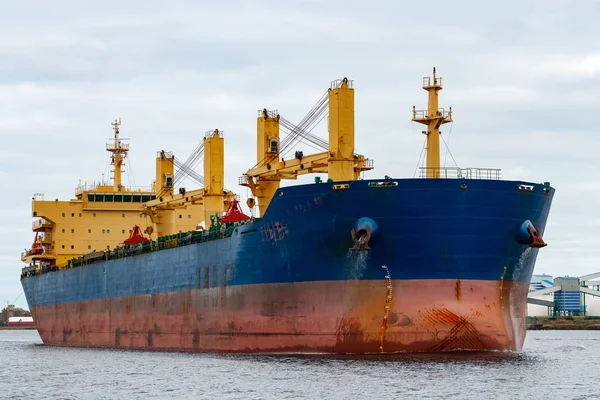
428,229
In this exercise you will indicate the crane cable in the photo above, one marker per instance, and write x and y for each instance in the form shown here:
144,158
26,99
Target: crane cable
186,169
189,173
308,120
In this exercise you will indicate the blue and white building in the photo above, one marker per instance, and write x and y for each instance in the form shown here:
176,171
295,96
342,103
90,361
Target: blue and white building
566,295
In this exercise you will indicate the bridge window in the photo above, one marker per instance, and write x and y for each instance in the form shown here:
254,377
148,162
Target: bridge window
127,198
108,198
118,198
137,198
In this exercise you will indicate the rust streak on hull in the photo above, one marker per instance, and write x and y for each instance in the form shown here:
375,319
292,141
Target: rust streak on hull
457,290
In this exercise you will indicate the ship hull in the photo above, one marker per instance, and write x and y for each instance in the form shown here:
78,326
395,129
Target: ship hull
446,269
338,317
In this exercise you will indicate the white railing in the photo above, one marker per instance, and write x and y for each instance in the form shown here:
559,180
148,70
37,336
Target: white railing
338,83
125,189
212,133
460,173
270,113
423,114
427,81
120,146
367,163
39,223
167,154
86,188
243,180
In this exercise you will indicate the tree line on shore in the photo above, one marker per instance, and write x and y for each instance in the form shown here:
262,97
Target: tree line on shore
17,312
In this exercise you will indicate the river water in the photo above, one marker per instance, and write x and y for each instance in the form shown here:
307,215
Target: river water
553,364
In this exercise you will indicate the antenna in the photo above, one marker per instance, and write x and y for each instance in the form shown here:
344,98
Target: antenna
116,125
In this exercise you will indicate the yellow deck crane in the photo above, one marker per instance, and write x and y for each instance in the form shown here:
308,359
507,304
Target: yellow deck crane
212,198
339,162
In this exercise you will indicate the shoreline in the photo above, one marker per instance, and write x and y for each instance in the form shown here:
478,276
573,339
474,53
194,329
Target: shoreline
563,323
17,328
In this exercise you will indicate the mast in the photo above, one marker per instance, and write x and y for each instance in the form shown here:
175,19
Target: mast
119,151
433,118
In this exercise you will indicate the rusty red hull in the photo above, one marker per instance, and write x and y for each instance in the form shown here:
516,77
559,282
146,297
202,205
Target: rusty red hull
338,317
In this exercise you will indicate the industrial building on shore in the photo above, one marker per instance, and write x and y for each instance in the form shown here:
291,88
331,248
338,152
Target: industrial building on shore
564,296
20,321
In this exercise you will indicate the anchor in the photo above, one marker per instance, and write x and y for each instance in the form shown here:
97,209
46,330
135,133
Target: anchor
361,239
530,236
362,232
536,240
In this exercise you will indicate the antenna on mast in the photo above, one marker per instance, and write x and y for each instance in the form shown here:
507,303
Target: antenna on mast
116,125
119,152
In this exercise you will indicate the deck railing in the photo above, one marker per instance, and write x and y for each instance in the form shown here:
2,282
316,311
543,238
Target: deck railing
216,232
368,163
460,173
120,146
441,112
209,134
126,189
338,82
270,113
427,81
40,223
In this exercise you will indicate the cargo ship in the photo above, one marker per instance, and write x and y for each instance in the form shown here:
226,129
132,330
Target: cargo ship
438,262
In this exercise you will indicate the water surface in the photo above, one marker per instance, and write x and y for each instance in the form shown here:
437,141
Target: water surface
553,364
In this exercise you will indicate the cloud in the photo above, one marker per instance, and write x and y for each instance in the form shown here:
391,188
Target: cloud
569,66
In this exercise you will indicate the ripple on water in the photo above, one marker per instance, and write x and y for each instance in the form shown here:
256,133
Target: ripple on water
43,372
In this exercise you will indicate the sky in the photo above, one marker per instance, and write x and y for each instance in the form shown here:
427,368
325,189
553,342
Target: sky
522,79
